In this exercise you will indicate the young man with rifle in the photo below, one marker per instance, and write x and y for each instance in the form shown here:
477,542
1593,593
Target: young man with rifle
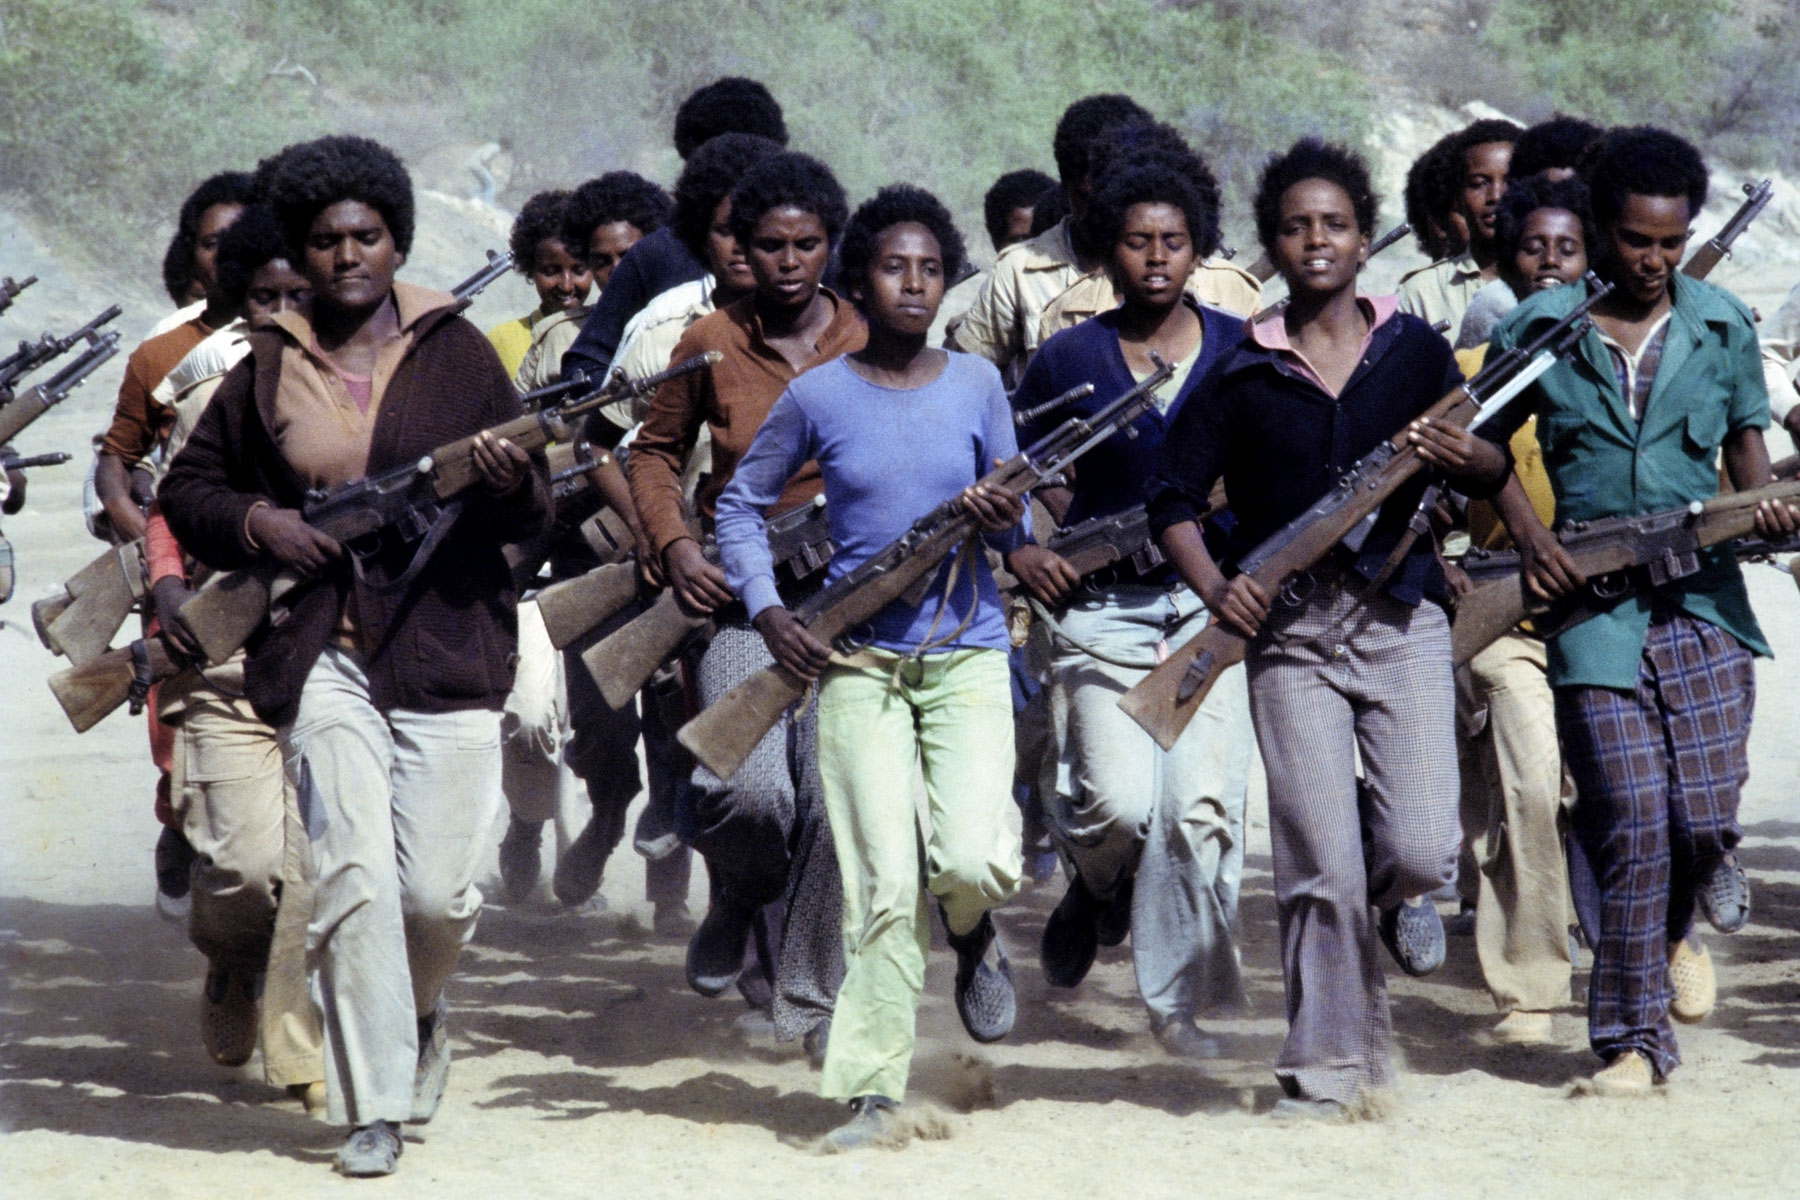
1442,291
384,681
1156,837
763,831
1348,650
1653,694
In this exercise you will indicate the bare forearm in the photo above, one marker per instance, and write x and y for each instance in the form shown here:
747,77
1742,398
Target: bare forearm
1747,459
1186,549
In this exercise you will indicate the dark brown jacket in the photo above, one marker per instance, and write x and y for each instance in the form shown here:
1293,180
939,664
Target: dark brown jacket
447,642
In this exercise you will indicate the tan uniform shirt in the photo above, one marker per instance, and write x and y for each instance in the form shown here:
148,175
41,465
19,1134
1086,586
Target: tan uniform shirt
541,365
1002,323
1442,291
1781,356
1214,282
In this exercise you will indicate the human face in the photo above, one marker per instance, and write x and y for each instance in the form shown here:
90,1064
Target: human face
1018,226
1318,246
1644,246
276,288
1552,252
1153,256
213,224
787,254
561,279
906,281
1484,182
350,257
607,245
729,265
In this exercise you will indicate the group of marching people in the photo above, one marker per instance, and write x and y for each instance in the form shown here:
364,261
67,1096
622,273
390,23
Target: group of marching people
329,792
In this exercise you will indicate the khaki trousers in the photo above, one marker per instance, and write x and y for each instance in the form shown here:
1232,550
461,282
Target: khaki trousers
252,880
1513,812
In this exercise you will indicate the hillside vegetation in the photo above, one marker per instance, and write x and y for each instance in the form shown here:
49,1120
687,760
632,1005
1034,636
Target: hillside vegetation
113,109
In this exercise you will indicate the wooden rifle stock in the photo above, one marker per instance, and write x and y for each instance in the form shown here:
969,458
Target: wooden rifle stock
1165,700
574,606
89,692
80,621
725,733
623,661
1494,607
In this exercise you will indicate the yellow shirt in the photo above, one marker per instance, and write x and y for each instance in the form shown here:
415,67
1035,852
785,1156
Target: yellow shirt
511,339
1485,529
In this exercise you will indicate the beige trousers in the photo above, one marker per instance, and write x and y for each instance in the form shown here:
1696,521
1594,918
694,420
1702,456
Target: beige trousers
1513,800
252,879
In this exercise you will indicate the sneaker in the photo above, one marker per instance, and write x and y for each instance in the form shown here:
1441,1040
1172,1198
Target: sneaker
579,869
521,860
1522,1027
433,1072
1725,897
372,1149
715,955
228,1014
1183,1039
1414,935
1628,1074
1115,917
1071,937
1695,988
984,995
871,1122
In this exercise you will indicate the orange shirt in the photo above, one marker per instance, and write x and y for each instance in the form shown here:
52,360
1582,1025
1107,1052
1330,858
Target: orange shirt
139,422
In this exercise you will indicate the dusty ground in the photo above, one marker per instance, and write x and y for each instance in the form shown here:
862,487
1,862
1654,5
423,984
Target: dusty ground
584,1065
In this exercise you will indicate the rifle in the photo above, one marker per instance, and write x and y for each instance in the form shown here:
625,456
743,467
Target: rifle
623,661
723,735
1619,555
10,289
20,411
1099,542
1375,247
87,693
498,264
79,621
1717,248
578,507
12,462
418,503
1165,700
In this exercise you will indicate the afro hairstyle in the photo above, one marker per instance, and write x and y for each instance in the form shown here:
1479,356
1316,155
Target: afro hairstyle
1645,161
788,180
733,104
540,218
1051,208
1557,143
1015,189
254,240
1310,158
307,178
708,178
615,196
227,187
894,205
1085,120
1431,185
1153,176
1525,196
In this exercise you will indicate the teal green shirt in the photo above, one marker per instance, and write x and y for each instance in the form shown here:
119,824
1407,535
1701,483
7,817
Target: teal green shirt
1602,463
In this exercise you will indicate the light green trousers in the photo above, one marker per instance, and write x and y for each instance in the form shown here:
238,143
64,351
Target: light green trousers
881,719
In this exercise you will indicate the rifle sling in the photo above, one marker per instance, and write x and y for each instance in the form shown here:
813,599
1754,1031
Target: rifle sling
427,547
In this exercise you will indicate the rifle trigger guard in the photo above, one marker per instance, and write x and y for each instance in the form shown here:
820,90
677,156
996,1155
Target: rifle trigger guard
1298,589
139,693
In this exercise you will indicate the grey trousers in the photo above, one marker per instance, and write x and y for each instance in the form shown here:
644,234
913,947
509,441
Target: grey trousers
1124,808
1322,695
766,839
395,806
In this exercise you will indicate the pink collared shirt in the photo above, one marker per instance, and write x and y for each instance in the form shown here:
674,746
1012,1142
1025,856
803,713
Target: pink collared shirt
1271,334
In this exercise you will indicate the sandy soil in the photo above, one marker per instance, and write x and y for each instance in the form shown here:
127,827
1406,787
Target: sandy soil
584,1065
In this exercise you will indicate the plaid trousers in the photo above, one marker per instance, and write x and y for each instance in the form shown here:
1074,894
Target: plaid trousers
1339,676
1657,771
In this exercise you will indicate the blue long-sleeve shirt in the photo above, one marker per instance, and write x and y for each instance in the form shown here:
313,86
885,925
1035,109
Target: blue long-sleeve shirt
888,456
